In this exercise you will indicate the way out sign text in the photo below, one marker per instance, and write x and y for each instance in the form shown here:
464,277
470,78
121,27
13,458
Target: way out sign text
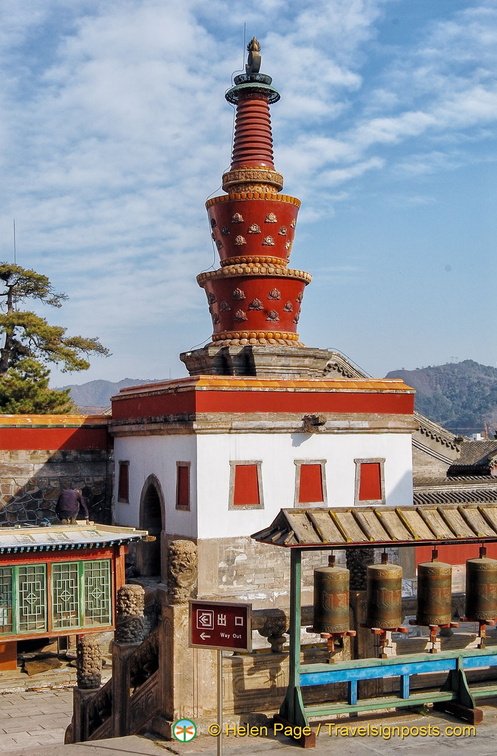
220,624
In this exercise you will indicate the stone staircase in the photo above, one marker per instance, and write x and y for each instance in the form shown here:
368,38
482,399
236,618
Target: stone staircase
129,701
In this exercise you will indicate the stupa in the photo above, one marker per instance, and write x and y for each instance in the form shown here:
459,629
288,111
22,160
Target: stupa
254,298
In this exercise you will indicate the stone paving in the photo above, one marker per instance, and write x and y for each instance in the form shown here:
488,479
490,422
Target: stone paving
335,742
32,723
135,745
34,718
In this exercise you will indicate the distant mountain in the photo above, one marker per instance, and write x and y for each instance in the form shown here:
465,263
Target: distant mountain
94,397
460,396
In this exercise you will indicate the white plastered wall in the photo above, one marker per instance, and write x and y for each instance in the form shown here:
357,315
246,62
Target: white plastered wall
210,457
157,455
278,453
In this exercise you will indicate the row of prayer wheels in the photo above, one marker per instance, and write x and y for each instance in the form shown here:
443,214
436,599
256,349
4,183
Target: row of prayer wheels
384,594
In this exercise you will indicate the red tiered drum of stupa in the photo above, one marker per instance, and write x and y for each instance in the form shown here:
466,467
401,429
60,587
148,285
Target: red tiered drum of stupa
254,297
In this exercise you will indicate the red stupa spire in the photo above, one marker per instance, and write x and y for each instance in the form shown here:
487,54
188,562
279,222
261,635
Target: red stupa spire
253,143
254,297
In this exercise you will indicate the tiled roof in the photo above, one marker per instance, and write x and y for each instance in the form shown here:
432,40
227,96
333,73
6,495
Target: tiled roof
435,431
476,452
455,495
206,382
461,481
65,537
340,527
474,458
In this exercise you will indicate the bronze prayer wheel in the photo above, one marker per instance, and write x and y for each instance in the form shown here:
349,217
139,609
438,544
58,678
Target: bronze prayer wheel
434,593
481,589
384,596
331,600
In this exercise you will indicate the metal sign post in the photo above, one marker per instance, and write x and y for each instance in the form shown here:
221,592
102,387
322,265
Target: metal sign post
220,625
220,701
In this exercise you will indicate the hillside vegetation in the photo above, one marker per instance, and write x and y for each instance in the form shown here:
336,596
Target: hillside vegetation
460,396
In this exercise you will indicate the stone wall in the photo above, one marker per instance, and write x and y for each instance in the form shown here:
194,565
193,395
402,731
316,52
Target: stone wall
427,465
31,481
241,569
246,570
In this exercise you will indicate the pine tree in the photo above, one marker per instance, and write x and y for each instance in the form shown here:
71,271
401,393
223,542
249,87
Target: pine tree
30,344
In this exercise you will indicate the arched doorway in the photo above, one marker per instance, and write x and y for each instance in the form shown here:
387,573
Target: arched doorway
149,560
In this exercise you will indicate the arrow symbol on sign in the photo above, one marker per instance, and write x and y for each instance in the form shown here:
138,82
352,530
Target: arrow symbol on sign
204,636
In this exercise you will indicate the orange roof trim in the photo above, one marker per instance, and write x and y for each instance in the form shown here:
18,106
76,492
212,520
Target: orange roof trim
53,421
215,383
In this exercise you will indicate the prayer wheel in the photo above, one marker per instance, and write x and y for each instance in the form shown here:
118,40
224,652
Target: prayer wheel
331,599
434,593
384,595
481,588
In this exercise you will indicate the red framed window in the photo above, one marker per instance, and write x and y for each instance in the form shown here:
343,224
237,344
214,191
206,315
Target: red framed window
123,482
245,485
310,483
183,485
369,480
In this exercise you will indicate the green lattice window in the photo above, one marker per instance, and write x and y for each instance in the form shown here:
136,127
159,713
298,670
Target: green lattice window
81,596
97,590
5,599
65,596
32,598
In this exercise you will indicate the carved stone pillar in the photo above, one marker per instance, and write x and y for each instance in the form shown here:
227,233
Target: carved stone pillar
89,680
89,663
182,571
185,670
357,562
364,642
130,619
130,632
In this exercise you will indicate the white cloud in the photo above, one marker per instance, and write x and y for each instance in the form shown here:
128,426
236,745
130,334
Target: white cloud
339,176
114,130
430,162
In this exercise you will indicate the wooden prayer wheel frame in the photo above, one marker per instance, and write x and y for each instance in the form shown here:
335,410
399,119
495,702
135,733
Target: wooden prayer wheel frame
342,528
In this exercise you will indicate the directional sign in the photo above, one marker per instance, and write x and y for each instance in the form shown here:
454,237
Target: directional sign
221,624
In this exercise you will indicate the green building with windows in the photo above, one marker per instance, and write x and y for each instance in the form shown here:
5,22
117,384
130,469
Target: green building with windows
59,580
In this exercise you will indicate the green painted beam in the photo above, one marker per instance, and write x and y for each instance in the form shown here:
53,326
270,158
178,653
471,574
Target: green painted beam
369,704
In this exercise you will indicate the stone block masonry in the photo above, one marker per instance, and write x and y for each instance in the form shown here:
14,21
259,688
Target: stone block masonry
246,570
42,455
31,481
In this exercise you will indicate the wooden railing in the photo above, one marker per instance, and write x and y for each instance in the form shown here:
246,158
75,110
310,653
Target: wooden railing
98,715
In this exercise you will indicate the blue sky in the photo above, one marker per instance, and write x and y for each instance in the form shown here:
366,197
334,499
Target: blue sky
114,131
